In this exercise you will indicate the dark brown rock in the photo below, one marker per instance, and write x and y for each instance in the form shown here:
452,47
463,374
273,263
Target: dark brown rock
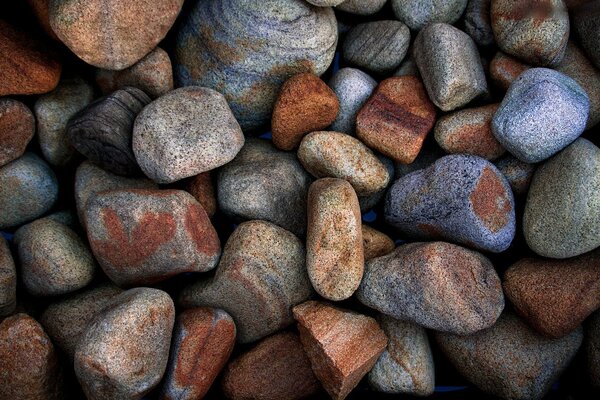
17,127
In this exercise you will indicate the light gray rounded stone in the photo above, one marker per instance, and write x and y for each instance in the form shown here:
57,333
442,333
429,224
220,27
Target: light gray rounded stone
352,88
418,13
361,7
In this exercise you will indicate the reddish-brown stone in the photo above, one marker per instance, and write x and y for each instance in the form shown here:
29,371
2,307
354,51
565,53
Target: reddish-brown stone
305,104
201,187
375,243
17,126
490,201
396,119
504,69
342,345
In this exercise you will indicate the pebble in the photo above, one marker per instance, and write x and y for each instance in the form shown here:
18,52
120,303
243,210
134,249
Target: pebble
27,62
265,183
361,7
282,38
28,189
334,243
202,343
201,187
592,345
469,131
437,285
504,69
153,75
123,352
561,218
460,198
144,236
375,243
30,367
8,280
555,296
352,87
450,65
477,22
52,113
378,46
343,346
418,13
102,131
305,104
406,365
517,173
66,319
186,132
325,3
396,118
112,35
542,113
66,217
260,277
535,32
368,202
17,126
586,19
53,258
337,155
276,368
510,360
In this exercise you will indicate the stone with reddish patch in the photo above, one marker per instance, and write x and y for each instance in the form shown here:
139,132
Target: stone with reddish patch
201,187
504,69
517,173
17,127
143,236
375,243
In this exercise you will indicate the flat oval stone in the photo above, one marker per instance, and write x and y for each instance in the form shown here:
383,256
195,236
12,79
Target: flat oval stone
505,69
123,353
267,184
437,285
184,133
143,236
586,18
352,88
418,13
112,35
17,127
542,113
517,173
28,189
8,280
562,216
334,243
201,187
202,343
246,50
276,368
375,243
592,346
361,7
337,155
30,367
533,31
510,360
478,23
261,276
461,198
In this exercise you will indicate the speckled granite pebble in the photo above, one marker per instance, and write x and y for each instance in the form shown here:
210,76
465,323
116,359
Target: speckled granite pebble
592,348
352,88
586,26
185,132
562,214
368,202
517,173
449,63
361,7
460,198
17,127
8,280
375,243
418,13
477,22
504,69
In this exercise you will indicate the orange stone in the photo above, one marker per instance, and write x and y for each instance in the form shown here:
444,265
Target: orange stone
375,243
504,69
343,346
490,201
201,187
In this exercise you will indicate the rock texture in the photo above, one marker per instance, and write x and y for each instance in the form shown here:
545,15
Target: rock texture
477,22
361,7
375,243
17,127
352,88
517,173
504,69
418,13
585,25
201,187
8,280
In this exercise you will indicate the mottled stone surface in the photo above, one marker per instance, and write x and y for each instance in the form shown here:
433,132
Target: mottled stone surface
504,69
361,7
517,173
510,360
562,214
201,187
184,133
449,63
102,131
352,88
28,189
53,258
368,202
17,127
334,243
375,243
555,296
337,155
469,131
66,319
477,22
29,367
52,113
406,365
276,368
112,35
461,198
246,50
342,345
437,285
143,236
542,113
153,74
305,104
325,3
260,277
202,343
378,46
265,183
123,352
586,26
592,348
418,13
396,118
8,280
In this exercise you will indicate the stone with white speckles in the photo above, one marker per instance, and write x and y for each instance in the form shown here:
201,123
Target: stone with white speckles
352,88
418,13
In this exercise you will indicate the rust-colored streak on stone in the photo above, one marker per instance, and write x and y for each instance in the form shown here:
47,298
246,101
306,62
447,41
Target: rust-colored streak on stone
490,201
505,69
201,187
538,11
201,230
431,230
